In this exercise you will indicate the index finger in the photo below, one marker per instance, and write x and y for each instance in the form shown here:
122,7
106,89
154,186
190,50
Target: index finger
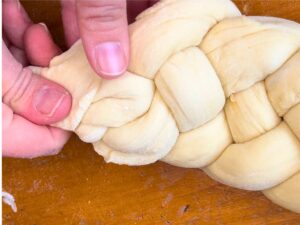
15,21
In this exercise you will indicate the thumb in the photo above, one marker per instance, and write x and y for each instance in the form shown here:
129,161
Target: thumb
104,31
35,98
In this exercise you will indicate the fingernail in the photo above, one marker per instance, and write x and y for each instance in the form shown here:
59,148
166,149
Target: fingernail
110,58
47,100
45,27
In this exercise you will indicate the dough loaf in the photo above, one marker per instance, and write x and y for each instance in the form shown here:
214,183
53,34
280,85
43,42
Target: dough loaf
206,88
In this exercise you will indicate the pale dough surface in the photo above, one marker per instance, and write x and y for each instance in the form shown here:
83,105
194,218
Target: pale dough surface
287,194
206,88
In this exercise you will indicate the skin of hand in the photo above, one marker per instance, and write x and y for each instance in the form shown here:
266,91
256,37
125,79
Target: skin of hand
30,102
103,27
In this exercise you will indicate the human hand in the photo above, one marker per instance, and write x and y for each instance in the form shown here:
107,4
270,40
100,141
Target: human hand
29,101
102,25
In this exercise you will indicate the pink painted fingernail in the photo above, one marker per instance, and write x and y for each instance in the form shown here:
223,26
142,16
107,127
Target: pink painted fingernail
47,100
110,58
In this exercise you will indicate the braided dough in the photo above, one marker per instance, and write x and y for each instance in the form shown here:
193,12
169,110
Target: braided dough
206,88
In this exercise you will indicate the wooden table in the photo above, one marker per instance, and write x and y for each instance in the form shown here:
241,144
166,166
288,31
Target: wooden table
78,187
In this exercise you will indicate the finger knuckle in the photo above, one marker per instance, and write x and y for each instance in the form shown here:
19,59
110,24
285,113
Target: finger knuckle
19,88
105,17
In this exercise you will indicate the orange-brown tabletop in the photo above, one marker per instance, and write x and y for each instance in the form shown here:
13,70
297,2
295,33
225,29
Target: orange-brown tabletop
78,187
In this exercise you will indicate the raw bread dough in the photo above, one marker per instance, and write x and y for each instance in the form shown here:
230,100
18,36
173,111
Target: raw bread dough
261,163
250,114
286,194
206,88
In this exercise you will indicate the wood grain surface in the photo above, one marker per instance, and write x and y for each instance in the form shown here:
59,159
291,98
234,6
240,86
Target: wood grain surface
78,187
